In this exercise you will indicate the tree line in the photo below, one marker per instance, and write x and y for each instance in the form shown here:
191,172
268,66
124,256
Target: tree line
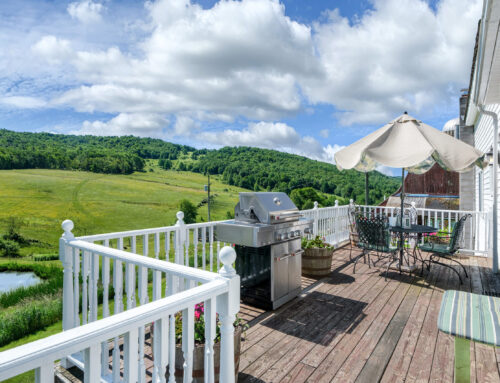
263,169
118,155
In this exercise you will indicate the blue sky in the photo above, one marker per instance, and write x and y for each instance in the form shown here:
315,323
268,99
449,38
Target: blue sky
307,77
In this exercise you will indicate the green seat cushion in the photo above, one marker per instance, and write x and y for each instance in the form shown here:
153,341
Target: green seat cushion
435,248
471,316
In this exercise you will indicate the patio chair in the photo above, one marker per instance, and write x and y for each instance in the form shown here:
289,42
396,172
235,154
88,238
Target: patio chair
447,250
353,231
374,235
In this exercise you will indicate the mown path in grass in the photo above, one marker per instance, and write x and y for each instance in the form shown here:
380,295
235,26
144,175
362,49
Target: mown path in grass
99,203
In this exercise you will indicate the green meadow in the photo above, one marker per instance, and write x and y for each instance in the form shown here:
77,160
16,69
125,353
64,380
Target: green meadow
100,203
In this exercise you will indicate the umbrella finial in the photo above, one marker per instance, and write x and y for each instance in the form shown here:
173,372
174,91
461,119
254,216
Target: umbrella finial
405,112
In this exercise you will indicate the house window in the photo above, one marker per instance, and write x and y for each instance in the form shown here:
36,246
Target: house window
480,190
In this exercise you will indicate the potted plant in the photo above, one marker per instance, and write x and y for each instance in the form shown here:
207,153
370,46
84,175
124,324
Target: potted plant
199,347
317,257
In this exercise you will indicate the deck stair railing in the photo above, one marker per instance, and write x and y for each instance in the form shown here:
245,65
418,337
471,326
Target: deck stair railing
91,330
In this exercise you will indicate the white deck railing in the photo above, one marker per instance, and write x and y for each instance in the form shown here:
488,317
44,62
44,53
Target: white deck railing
332,223
95,264
89,334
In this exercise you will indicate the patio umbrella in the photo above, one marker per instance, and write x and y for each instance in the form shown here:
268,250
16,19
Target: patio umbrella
409,144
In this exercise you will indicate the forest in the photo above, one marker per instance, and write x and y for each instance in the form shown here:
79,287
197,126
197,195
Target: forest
249,168
263,169
118,155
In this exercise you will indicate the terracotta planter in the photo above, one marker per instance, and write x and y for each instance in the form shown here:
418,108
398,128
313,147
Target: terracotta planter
317,262
198,360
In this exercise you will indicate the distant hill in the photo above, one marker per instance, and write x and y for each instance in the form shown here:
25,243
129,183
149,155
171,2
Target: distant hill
263,169
249,168
21,150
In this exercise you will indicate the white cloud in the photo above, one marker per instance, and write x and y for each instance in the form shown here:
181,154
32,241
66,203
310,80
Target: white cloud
217,61
138,124
23,102
400,56
86,11
277,136
324,133
53,49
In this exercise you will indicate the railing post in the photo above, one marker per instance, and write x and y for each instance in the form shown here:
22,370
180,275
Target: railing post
316,219
336,203
66,257
228,306
180,238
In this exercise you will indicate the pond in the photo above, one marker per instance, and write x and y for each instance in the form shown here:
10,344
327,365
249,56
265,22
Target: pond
10,280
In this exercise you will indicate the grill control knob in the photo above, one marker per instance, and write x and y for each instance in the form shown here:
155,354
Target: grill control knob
307,230
297,233
284,236
278,237
291,234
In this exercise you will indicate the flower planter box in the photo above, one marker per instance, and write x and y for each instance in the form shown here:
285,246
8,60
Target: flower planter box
317,262
198,360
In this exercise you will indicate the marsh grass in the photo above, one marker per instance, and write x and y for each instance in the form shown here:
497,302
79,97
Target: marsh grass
29,317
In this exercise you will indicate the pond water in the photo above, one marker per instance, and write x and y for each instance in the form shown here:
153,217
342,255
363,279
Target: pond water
13,279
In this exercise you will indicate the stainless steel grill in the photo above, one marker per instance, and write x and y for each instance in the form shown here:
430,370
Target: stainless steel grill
266,231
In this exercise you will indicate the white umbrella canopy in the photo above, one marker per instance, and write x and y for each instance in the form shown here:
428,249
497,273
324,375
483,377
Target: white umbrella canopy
410,144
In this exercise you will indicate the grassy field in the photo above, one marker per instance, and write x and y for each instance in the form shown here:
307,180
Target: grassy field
99,203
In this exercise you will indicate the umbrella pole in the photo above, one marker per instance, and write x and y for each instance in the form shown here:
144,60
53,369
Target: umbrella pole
367,202
401,250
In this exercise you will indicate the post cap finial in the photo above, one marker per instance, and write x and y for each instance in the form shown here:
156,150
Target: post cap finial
67,226
227,256
180,215
315,204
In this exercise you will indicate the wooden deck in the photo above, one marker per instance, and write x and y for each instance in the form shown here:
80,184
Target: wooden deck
363,328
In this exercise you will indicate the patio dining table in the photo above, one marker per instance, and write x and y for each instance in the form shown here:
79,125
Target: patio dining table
406,231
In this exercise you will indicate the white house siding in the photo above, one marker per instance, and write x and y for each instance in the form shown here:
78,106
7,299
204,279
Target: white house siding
483,140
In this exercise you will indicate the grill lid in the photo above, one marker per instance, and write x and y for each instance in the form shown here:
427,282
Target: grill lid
265,207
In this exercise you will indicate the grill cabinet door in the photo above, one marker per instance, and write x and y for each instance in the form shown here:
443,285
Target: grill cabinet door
280,270
295,270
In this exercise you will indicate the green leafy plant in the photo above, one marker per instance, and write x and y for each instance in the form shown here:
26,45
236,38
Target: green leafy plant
317,242
199,325
190,211
9,248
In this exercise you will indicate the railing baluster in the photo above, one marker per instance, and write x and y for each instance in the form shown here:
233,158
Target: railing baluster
160,350
210,323
95,279
130,352
105,311
92,369
143,298
167,246
186,248
76,286
85,274
171,333
188,343
211,244
44,373
195,243
118,307
203,247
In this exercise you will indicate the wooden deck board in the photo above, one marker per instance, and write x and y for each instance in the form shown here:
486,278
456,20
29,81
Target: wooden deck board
359,327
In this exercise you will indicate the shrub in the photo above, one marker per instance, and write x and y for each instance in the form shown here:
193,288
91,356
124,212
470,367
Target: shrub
9,248
45,257
190,211
29,317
